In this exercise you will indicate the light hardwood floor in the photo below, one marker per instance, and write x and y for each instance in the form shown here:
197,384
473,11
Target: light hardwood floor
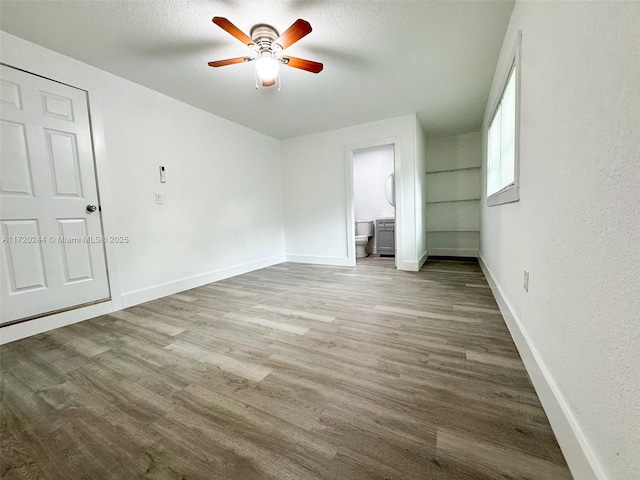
291,372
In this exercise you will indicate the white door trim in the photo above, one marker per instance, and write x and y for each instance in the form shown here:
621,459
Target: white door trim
349,150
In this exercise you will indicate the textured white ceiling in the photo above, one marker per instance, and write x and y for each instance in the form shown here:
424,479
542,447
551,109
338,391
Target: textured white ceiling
381,58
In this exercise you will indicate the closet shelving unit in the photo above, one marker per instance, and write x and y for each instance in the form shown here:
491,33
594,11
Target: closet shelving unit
453,210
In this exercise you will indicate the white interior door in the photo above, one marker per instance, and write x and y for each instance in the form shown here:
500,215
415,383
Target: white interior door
52,252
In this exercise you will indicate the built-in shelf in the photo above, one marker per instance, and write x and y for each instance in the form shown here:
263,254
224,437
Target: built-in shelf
462,169
455,201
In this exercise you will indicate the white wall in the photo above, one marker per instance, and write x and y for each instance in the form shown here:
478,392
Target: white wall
223,192
453,211
421,195
223,211
371,168
315,185
576,228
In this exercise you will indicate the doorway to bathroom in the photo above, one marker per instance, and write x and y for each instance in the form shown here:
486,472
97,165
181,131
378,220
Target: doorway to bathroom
374,195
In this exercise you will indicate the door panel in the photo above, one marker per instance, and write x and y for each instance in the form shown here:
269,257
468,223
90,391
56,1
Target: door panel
62,151
50,257
16,172
10,94
56,106
76,255
25,266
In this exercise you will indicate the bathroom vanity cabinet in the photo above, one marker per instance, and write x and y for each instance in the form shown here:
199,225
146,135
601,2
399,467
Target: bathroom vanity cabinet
386,236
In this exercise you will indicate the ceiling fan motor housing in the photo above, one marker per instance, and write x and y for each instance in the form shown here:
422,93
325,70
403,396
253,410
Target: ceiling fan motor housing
264,36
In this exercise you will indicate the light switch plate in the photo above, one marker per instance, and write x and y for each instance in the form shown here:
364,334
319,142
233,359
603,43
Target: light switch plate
160,197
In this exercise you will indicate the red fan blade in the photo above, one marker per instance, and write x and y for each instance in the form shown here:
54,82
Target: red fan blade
302,64
233,30
229,61
295,32
268,83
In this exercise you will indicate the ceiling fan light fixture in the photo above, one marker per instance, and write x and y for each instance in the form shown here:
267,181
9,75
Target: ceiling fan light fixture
267,67
268,45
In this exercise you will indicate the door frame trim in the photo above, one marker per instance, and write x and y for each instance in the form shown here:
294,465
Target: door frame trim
349,150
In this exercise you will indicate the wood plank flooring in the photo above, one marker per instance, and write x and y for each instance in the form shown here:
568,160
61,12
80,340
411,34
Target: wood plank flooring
291,372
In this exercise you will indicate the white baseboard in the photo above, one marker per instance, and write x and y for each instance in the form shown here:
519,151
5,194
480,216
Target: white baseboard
423,259
413,266
408,266
17,331
319,260
574,445
453,252
170,288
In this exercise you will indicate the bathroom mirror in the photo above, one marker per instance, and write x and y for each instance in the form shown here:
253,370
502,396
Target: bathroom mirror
390,190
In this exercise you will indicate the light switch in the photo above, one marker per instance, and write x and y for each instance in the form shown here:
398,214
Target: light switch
160,197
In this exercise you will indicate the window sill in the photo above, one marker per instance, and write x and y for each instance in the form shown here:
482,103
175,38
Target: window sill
508,195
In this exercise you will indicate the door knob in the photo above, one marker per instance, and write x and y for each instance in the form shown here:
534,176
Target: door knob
91,208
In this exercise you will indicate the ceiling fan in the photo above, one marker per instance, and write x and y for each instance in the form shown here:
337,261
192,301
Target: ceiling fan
268,46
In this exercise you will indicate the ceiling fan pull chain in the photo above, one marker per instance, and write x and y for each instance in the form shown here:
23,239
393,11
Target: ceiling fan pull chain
256,78
279,82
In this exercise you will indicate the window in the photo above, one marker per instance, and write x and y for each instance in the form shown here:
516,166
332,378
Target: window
502,138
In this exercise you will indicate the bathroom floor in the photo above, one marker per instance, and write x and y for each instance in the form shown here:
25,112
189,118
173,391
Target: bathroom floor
377,260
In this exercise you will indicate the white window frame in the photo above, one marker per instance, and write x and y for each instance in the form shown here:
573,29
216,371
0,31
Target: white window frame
510,193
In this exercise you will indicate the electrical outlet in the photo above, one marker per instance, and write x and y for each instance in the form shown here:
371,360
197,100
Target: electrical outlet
160,197
526,281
